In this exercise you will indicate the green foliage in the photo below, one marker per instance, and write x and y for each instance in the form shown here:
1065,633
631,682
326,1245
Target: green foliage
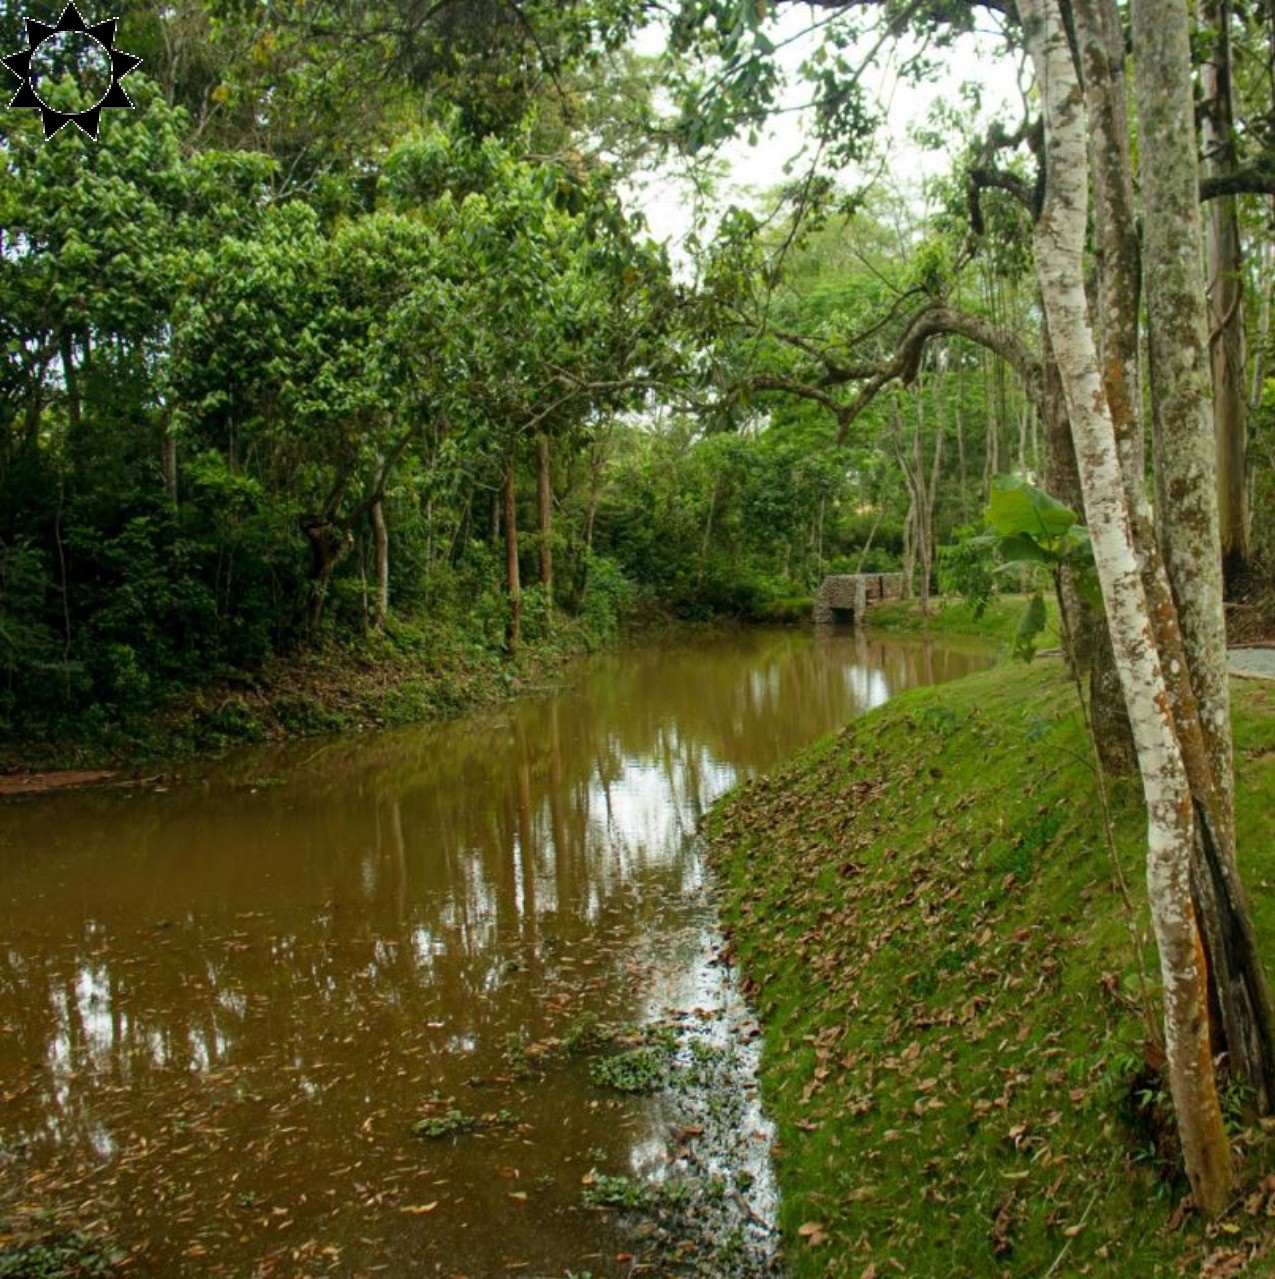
633,1194
1030,628
643,1070
966,567
609,597
296,362
68,1255
1032,531
450,1123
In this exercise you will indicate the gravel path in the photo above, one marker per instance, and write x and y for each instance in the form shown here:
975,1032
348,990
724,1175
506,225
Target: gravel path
1259,661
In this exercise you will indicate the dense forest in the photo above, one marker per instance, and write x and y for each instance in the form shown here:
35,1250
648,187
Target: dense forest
351,337
345,336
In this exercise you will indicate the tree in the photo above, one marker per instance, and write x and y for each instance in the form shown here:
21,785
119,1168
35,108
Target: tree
1225,277
1174,687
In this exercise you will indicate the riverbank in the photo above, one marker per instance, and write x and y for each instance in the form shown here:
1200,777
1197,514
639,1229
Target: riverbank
926,919
999,621
410,675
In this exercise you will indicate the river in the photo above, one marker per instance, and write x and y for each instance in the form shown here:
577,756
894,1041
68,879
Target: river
226,1001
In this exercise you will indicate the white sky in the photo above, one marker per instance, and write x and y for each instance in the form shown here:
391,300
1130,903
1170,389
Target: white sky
668,202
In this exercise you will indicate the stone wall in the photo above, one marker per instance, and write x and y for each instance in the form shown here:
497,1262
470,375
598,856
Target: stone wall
847,597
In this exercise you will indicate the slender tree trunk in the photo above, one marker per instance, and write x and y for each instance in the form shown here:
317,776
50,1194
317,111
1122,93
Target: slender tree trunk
1059,251
991,436
70,377
544,506
921,501
708,533
931,500
906,460
381,547
909,552
1100,37
513,632
168,459
1118,284
1091,655
1225,277
1264,281
961,468
328,545
1187,510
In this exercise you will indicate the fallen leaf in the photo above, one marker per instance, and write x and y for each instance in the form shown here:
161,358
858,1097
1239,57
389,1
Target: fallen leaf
419,1210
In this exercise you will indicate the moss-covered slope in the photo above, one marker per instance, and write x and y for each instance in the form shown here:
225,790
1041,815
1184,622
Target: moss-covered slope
926,916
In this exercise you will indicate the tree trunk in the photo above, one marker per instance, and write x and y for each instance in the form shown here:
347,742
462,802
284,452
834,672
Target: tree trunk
708,534
1237,977
909,552
70,377
911,525
168,459
1225,275
960,463
991,436
1187,509
930,495
1059,240
513,630
1090,654
544,506
381,545
1264,281
328,545
1118,281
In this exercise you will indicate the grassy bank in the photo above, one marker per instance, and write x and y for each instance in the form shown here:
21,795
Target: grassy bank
925,915
410,675
953,616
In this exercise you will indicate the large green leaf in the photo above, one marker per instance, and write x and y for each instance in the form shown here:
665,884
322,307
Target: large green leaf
1021,550
1015,506
1030,628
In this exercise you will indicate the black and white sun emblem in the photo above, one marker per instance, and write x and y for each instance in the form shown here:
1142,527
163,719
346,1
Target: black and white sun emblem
98,43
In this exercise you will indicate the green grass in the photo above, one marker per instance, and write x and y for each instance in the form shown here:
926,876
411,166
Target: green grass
924,914
955,617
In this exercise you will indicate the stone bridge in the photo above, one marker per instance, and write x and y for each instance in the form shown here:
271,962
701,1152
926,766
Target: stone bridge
848,596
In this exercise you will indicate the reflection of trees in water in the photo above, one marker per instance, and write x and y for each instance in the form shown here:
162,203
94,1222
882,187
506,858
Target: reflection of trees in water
392,881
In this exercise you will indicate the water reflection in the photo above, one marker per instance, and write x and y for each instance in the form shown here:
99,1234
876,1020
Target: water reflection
223,1004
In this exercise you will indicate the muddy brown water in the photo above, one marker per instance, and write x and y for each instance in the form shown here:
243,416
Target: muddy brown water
223,1004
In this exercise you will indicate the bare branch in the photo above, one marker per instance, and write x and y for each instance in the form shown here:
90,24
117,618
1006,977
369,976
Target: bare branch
942,321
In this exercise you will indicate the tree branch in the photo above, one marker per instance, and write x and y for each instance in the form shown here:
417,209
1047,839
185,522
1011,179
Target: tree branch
943,321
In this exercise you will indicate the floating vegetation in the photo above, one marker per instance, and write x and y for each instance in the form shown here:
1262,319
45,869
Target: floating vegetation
73,1254
643,1070
451,1123
634,1194
446,1120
